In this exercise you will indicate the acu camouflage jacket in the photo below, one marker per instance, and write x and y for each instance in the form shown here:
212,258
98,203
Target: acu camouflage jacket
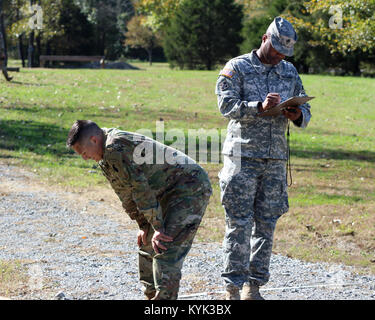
242,85
142,187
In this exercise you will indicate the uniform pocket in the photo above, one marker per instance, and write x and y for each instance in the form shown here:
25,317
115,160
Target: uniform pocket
279,203
272,200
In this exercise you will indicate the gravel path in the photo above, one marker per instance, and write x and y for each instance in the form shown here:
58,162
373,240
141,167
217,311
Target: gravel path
71,251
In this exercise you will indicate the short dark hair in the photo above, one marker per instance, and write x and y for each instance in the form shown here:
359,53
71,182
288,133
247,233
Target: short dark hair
82,129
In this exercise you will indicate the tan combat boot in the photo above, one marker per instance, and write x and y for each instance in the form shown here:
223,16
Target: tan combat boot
232,293
149,294
250,292
166,295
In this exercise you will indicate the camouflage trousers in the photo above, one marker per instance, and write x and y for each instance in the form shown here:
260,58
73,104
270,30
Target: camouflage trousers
162,272
254,195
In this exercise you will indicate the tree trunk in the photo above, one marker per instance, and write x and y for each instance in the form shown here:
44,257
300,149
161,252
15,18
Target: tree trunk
38,41
103,44
20,38
30,54
2,30
149,52
20,50
48,52
3,46
38,47
100,38
208,62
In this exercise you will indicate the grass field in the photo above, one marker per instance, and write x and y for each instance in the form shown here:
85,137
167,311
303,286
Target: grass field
332,200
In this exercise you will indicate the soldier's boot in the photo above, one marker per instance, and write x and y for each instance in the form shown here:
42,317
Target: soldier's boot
149,292
250,292
165,295
150,295
157,296
232,293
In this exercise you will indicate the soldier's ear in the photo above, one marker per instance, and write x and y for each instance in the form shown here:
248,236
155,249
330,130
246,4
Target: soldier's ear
95,140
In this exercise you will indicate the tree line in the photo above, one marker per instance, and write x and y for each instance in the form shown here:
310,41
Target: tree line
334,35
69,27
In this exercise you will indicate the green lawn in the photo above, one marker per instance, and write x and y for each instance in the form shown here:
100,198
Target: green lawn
333,160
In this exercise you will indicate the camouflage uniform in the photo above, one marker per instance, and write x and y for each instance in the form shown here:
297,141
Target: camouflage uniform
163,195
253,179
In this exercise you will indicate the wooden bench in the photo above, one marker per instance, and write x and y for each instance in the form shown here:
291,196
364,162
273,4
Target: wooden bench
43,59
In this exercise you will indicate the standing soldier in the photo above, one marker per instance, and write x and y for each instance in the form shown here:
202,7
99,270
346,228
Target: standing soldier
253,181
3,58
167,198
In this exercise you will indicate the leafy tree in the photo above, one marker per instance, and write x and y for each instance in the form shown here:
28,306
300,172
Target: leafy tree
158,12
65,29
140,35
71,27
346,30
109,18
343,26
203,33
319,48
76,32
254,8
19,14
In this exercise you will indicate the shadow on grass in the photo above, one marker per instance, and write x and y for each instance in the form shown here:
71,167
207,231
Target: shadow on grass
42,138
37,108
323,198
37,137
334,154
29,84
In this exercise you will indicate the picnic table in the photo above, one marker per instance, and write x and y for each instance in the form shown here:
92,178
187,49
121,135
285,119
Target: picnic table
44,58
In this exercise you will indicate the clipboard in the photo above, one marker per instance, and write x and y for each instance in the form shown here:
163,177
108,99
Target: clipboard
291,102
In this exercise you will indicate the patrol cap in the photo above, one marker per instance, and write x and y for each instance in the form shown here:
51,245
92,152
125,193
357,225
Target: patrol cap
283,36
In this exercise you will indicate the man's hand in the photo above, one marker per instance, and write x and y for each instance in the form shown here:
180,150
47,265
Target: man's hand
142,237
292,113
156,238
272,99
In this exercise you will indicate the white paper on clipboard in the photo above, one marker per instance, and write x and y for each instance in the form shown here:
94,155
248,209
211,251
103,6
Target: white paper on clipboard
292,102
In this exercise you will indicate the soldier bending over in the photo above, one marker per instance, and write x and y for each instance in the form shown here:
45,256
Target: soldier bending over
166,198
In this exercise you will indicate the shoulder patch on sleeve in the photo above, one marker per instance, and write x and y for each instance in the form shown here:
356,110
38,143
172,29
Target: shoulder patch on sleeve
228,73
224,85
